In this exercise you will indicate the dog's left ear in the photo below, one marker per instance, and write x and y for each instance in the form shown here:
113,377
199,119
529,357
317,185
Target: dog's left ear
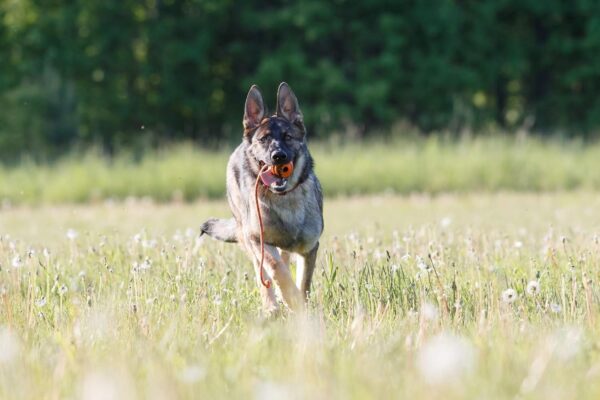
287,105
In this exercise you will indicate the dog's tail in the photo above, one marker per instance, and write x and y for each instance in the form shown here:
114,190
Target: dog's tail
220,229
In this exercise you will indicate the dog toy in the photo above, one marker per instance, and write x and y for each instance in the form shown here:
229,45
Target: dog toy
283,170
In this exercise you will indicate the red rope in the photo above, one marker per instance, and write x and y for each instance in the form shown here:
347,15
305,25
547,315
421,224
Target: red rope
266,283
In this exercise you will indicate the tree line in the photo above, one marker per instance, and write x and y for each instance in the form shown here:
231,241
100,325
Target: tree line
116,72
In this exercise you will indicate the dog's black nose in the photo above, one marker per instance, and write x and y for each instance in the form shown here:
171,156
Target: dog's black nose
279,157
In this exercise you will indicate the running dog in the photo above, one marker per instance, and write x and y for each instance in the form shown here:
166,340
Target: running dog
291,207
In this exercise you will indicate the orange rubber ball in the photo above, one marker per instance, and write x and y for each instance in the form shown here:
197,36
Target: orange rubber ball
283,170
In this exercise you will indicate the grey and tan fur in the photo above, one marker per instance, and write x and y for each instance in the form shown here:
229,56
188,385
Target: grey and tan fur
292,210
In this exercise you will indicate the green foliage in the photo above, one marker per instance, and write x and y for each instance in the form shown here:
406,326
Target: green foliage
431,165
116,72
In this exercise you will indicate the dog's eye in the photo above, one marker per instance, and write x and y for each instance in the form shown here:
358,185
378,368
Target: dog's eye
287,136
262,139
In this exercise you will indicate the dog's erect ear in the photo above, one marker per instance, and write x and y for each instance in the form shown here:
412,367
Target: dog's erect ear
287,105
254,110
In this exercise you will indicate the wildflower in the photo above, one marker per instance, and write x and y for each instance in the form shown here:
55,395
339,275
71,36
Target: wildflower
518,244
41,302
555,308
429,312
17,262
149,244
63,290
570,341
533,288
395,268
192,374
445,222
421,264
9,345
445,358
146,264
509,296
72,234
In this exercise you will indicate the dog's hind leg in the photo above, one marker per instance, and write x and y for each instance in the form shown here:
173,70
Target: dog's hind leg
305,267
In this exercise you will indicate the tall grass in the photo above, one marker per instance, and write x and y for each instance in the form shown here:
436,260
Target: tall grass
434,164
414,297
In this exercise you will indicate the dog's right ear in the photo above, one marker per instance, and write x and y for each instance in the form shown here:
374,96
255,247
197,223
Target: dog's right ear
254,110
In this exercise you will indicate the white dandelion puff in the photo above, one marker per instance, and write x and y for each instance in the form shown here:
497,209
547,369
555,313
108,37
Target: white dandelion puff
9,345
190,233
509,296
17,261
555,308
421,264
72,234
41,302
429,312
192,374
446,222
445,358
533,288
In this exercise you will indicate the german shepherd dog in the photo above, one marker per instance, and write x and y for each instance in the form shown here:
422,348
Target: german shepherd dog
291,208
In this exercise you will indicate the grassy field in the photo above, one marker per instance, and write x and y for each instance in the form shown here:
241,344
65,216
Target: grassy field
410,165
453,296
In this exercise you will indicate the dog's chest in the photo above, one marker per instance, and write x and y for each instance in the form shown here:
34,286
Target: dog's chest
293,221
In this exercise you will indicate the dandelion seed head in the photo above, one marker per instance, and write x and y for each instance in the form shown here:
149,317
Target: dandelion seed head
533,288
445,359
10,345
17,261
192,374
421,264
555,308
72,234
509,296
41,302
446,222
106,385
429,312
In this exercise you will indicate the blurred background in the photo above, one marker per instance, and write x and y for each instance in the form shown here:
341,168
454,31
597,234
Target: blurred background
121,75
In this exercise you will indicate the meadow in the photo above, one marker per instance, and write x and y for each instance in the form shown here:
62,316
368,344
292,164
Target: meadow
465,295
402,165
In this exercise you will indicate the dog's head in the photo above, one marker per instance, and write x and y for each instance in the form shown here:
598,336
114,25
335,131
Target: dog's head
277,139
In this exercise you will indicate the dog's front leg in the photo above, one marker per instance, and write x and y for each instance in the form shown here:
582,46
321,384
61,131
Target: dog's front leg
267,294
280,272
305,267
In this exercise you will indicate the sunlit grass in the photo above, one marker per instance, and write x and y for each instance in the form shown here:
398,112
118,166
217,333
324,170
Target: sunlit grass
414,297
432,165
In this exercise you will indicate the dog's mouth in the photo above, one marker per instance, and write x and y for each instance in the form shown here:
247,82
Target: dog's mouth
273,182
